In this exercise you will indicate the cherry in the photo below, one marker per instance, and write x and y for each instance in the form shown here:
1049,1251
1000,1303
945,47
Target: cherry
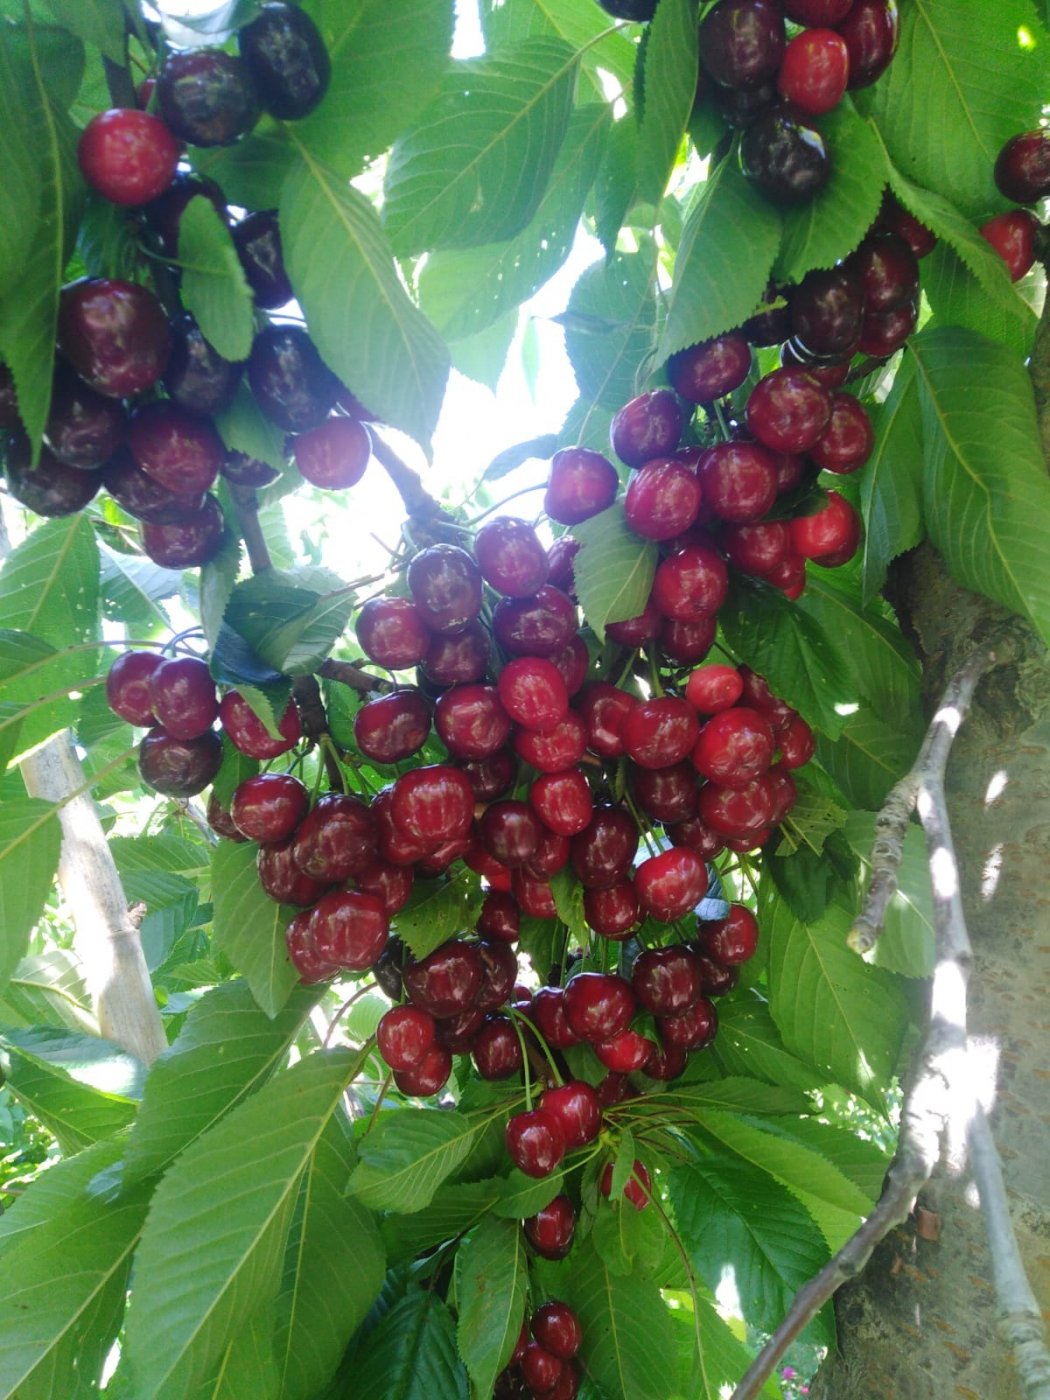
739,480
257,239
333,455
666,1062
691,585
666,980
114,334
789,576
84,428
758,695
560,559
693,833
742,42
604,710
127,686
734,812
847,442
500,917
395,845
719,980
182,696
447,980
50,488
457,1033
391,884
662,500
533,693
538,626
635,631
626,1052
207,97
706,371
181,452
888,269
731,940
471,721
511,557
433,804
796,744
497,876
835,527
556,749
573,663
404,1035
198,378
269,806
814,71
830,373
493,776
788,410
179,767
871,31
782,790
302,951
497,1049
659,733
687,642
220,820
638,1188
540,1370
551,1229
429,1076
445,584
242,470
535,1142
648,426
1022,167
575,1105
667,794
247,732
128,156
547,1013
391,633
582,483
511,832
562,801
499,968
734,746
164,214
283,50
556,1327
387,970
884,334
757,549
282,879
463,657
691,1029
827,309
894,218
817,12
784,156
612,912
188,542
598,1005
670,884
534,894
1012,235
551,855
291,383
770,325
791,466
392,727
602,853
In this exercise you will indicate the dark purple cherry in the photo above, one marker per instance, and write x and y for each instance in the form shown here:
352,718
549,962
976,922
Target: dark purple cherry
511,556
337,840
286,56
888,269
392,727
714,367
143,496
257,239
827,308
114,334
648,426
84,428
785,156
1022,167
538,626
179,767
164,213
50,488
445,584
241,470
871,31
198,378
292,384
742,42
207,97
183,453
189,542
603,851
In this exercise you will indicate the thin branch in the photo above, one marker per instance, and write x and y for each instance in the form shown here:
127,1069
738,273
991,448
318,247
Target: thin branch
246,505
417,500
346,673
315,726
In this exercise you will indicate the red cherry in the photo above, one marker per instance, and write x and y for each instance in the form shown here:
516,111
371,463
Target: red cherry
871,31
141,495
736,811
814,71
456,1033
535,1142
666,1062
497,1049
782,791
84,428
552,855
788,410
739,480
667,794
832,374
693,833
602,853
281,877
562,801
302,954
706,371
557,1328
573,663
1022,167
575,1105
551,1229
538,626
734,746
605,710
662,500
826,312
560,557
660,732
732,940
556,749
337,840
1012,235
493,776
429,1076
636,631
446,981
847,442
533,693
638,1188
888,269
691,585
404,1035
350,929
666,980
127,686
789,576
896,219
128,156
757,549
510,831
114,334
459,659
269,806
612,912
758,695
817,12
189,542
179,767
647,427
445,584
499,968
334,455
500,917
180,451
391,884
741,42
511,557
835,527
392,727
626,1052
883,335
433,804
248,733
540,1370
582,483
598,1005
687,642
691,1029
498,877
796,744
533,894
670,884
547,1013
567,1386
471,721
392,633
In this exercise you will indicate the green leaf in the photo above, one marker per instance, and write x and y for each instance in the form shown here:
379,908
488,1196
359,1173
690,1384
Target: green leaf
214,1242
49,584
30,839
437,910
244,428
891,486
225,1051
827,227
629,1241
48,989
749,1043
36,682
733,1215
406,1157
669,67
741,1094
956,298
246,1363
133,587
213,287
54,1192
323,1301
832,1007
627,1338
50,1071
98,22
609,331
613,570
464,291
711,1356
474,169
483,357
411,1354
216,581
292,620
452,1212
575,21
252,172
868,756
811,821
383,75
985,484
907,943
715,289
959,86
343,274
491,1281
249,926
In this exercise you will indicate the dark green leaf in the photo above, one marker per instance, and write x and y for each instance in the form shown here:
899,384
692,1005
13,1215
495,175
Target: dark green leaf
57,1076
406,1157
669,84
244,428
536,449
491,1280
291,620
437,910
907,943
578,22
49,584
234,663
411,1355
30,838
629,1241
956,298
48,989
213,283
749,1043
249,926
868,757
36,683
891,486
613,570
98,22
252,172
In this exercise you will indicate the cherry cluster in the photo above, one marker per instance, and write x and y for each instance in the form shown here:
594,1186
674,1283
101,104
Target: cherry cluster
542,1364
1022,174
136,384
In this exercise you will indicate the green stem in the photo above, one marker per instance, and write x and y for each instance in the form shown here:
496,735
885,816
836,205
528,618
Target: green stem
524,1062
541,1041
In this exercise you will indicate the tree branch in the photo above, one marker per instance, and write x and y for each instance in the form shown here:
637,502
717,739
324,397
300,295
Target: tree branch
246,505
346,673
417,500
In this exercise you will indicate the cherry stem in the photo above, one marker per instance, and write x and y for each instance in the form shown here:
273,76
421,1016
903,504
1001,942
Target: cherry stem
654,674
523,491
628,668
531,1025
332,763
342,1012
721,417
525,1063
246,506
387,1081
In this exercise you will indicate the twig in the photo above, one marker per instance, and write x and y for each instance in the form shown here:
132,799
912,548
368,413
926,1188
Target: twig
192,811
315,726
346,673
418,501
246,505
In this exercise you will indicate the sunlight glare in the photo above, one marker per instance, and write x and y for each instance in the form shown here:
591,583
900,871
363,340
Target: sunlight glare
996,787
991,870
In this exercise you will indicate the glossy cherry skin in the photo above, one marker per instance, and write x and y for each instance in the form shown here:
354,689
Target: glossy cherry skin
735,812
493,776
241,470
128,156
334,455
759,548
560,559
883,335
662,500
666,980
51,488
198,379
183,698
759,696
888,269
391,884
706,371
742,42
666,1062
551,854
499,969
788,410
207,97
392,727
471,721
302,951
538,626
1022,167
500,917
114,334
670,884
533,693
392,633
84,428
693,833
183,453
127,686
739,480
511,832
497,1049
598,1005
179,767
785,156
188,542
550,1230
540,1370
602,853
164,214
612,912
734,746
638,1188
562,801
831,373
893,217
625,1053
429,1076
535,1142
557,1328
691,1029
511,556
636,631
286,56
732,940
687,642
269,806
582,483
446,981
648,426
691,585
660,732
796,743
433,804
817,13
835,527
534,895
547,1013
454,659
666,794
1012,235
555,749
404,1035
573,662
575,1105
291,383
248,733
827,309
871,31
713,688
445,584
282,879
848,440
814,71
257,239
605,710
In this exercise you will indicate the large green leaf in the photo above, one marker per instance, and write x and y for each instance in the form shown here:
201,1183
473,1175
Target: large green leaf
891,486
609,328
438,909
985,485
711,1358
214,1243
959,86
133,588
957,298
49,584
226,1050
48,989
474,169
30,839
868,756
59,1076
715,288
668,83
54,1192
907,942
249,926
244,428
344,276
213,282
491,1282
411,1354
578,22
36,682
406,1157
613,570
292,620
749,1043
98,22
